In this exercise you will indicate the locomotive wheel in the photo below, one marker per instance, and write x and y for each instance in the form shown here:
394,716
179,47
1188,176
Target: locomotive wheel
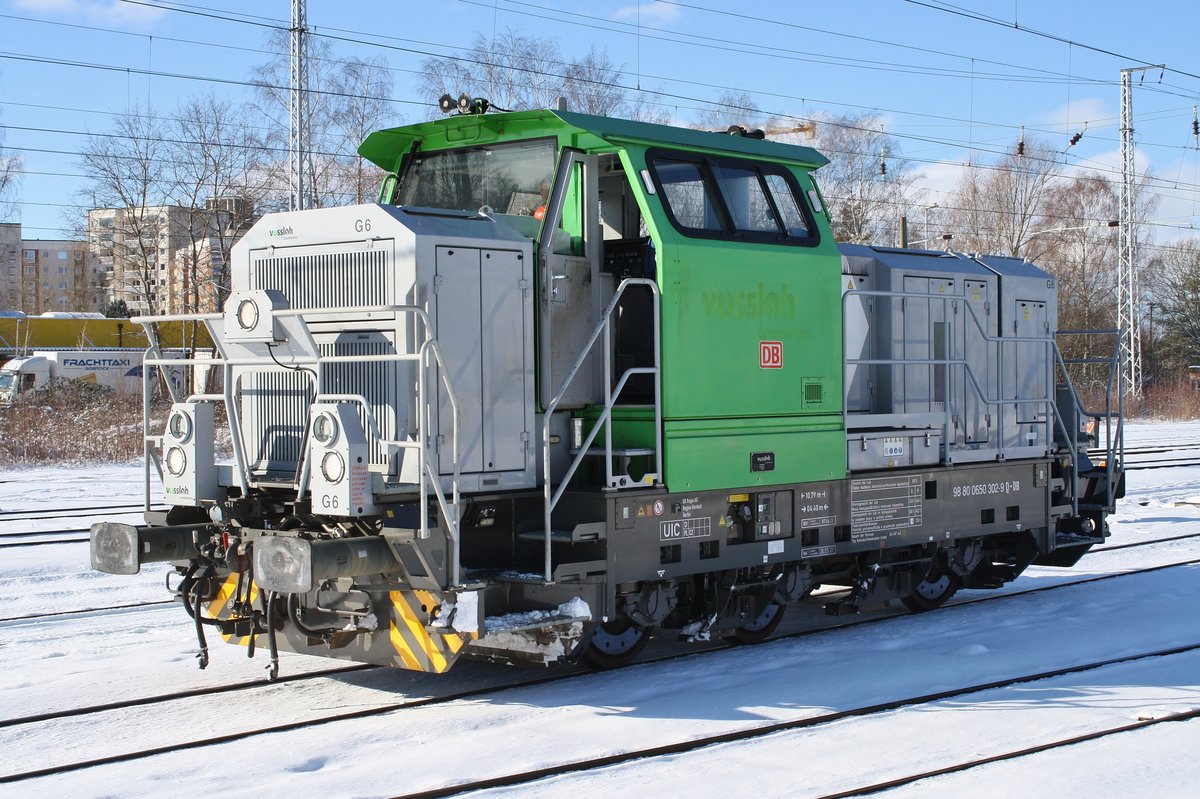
615,643
934,589
758,630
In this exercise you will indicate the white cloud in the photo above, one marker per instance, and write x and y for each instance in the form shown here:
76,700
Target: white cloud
1108,163
111,12
938,180
1071,117
652,13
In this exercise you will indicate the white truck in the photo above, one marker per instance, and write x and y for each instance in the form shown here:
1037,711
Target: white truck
120,370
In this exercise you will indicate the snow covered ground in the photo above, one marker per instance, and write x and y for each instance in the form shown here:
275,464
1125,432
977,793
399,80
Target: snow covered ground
59,663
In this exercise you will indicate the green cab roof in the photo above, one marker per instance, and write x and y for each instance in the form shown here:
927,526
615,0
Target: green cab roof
385,148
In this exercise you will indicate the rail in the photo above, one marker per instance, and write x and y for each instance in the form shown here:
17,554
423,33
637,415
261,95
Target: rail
427,356
603,327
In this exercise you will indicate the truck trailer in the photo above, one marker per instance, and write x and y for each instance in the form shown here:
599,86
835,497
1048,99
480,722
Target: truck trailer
120,370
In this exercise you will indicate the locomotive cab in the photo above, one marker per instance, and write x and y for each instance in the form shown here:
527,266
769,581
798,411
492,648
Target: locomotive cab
573,379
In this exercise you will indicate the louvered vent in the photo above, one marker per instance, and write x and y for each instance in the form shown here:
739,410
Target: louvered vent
312,277
275,404
814,392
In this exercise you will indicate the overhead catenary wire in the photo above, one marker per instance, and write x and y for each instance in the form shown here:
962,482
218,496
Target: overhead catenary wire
280,25
806,119
267,23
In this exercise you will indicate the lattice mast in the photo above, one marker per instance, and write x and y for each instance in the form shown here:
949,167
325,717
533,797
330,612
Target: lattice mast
1128,291
299,145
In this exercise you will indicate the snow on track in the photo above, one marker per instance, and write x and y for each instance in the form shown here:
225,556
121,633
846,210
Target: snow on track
55,664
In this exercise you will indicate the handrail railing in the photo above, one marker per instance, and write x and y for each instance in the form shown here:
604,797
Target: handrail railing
999,341
426,356
610,395
1054,420
1114,444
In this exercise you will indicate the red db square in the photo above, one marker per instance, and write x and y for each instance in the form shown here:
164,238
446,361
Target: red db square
770,354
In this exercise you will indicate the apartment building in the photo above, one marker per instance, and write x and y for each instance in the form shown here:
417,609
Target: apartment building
40,275
167,259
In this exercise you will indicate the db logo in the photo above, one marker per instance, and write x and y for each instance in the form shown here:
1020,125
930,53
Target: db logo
770,354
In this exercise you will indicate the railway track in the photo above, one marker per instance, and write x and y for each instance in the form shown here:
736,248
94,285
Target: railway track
1141,724
86,611
578,766
72,512
19,544
35,533
565,674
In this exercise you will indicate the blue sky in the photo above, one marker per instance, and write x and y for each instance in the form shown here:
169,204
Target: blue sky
947,85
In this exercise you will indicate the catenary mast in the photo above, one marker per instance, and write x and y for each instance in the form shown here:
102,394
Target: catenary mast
299,145
1128,299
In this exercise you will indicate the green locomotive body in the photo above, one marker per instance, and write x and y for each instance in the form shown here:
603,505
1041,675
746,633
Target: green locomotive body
574,379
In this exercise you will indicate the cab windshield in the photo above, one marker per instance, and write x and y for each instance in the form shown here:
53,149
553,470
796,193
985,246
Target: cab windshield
511,178
7,383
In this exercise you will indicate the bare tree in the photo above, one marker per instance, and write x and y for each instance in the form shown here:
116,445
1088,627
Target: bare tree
513,72
1075,243
10,179
593,85
645,105
997,207
361,106
731,108
348,98
128,176
1176,286
215,159
866,183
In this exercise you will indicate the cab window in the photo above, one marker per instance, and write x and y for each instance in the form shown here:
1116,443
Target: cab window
688,194
509,178
729,198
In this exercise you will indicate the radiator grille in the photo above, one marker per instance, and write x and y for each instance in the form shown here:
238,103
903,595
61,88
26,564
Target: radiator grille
323,277
274,408
378,382
275,404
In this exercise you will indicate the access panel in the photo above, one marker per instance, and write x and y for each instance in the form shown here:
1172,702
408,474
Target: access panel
480,298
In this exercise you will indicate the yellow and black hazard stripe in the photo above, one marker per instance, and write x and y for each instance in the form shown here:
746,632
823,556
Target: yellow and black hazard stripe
415,647
218,607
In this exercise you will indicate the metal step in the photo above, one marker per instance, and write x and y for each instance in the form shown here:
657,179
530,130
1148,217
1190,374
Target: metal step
576,536
1062,540
617,452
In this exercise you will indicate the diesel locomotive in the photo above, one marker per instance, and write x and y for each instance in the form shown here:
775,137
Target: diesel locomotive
573,380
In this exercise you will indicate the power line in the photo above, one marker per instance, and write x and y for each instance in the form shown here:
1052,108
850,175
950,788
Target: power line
1014,25
280,26
758,47
191,77
935,141
362,38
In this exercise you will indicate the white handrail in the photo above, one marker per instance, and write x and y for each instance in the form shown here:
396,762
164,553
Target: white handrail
610,395
427,356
